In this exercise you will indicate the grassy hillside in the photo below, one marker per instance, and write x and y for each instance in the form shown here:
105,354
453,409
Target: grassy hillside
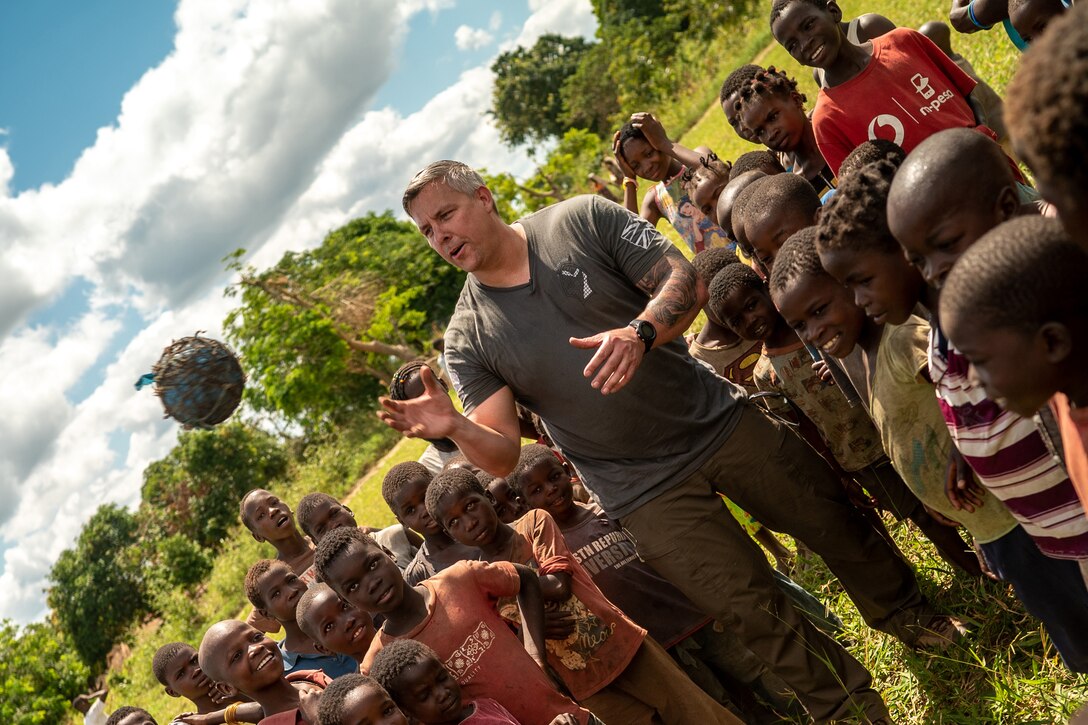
1007,672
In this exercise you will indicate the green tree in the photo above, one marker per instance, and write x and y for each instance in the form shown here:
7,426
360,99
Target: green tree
98,586
322,331
527,100
589,94
564,173
40,673
194,490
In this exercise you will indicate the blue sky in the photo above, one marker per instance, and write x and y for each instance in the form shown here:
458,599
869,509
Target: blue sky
90,53
143,140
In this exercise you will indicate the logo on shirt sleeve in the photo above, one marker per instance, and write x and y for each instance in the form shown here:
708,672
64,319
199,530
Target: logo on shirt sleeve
638,232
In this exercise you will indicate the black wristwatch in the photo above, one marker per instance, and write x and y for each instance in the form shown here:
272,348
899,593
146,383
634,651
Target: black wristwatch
645,332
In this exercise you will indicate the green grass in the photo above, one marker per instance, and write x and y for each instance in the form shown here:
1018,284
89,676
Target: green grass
1007,671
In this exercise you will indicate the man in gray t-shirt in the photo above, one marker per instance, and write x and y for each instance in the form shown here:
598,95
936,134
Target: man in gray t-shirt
575,312
586,256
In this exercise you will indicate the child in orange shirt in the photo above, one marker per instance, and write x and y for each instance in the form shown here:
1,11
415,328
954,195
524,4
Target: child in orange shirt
608,663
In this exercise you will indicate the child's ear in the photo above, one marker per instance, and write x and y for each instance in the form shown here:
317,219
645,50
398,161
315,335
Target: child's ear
490,497
263,612
835,10
256,537
1058,342
1008,203
171,692
322,650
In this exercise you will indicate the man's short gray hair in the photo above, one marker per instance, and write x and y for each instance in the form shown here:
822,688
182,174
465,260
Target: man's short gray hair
454,174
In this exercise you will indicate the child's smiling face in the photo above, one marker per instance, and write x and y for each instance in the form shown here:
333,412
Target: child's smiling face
749,313
645,160
809,34
822,312
775,120
884,284
469,518
340,627
547,486
253,661
411,510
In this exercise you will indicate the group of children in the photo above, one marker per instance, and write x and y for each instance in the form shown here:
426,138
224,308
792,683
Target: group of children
881,277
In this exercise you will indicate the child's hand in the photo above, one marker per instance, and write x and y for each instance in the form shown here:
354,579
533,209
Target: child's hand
960,486
821,368
557,624
564,719
625,168
653,131
222,694
308,703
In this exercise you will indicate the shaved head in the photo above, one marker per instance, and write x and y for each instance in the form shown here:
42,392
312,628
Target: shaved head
949,169
938,32
211,653
728,200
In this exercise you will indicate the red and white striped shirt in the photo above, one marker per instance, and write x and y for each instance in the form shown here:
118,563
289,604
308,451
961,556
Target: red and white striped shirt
1008,456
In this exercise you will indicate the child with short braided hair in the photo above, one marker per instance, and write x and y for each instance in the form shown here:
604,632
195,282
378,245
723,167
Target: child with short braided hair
772,108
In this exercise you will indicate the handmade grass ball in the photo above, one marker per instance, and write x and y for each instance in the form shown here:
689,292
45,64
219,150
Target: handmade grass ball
199,380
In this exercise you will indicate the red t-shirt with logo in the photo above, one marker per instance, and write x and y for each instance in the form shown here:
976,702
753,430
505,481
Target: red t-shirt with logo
909,90
465,629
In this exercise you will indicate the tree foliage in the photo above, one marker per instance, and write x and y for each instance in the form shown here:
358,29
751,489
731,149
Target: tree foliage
40,673
195,489
527,100
564,173
321,332
98,586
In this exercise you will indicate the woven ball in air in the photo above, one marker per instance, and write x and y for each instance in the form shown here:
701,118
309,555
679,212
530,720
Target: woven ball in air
199,380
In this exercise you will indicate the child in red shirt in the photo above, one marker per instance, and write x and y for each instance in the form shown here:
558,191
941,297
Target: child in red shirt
454,613
607,661
899,86
424,689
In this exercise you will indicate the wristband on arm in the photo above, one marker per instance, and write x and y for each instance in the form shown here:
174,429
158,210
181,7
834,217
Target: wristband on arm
971,15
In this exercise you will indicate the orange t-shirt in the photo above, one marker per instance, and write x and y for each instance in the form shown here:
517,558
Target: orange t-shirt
488,660
909,91
1073,424
604,640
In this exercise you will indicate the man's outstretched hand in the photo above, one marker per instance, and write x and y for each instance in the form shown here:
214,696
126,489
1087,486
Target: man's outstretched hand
619,353
431,415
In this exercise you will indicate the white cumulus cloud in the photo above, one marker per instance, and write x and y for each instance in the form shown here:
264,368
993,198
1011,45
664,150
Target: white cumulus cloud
251,133
472,38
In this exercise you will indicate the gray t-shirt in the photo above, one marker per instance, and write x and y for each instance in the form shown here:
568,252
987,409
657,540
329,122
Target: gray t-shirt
586,255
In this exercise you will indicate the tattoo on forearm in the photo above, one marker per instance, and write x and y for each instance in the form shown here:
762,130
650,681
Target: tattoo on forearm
673,284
